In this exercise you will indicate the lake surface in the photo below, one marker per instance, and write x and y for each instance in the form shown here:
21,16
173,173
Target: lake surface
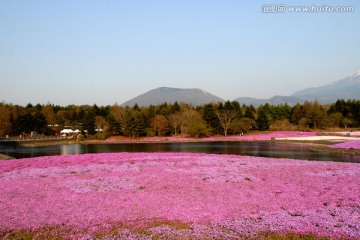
263,149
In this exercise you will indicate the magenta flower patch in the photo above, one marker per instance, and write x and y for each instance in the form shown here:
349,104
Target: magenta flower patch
178,196
100,184
347,145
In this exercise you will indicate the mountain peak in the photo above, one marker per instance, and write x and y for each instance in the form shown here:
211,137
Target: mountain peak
165,90
160,95
356,73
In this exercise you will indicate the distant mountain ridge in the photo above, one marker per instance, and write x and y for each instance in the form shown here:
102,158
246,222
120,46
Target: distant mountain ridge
276,100
161,95
347,88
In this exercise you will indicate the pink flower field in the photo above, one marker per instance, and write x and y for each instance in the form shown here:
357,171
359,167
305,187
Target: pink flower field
177,196
347,145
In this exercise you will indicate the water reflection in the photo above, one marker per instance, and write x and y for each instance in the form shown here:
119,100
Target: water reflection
71,149
263,149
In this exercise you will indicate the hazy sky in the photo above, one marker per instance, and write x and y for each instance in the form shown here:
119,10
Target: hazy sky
101,51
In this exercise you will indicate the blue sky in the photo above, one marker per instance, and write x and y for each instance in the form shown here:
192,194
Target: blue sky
103,52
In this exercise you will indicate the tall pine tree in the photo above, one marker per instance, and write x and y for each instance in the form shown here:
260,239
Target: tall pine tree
262,121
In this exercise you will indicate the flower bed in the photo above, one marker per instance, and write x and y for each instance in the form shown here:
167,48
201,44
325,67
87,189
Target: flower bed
177,195
347,145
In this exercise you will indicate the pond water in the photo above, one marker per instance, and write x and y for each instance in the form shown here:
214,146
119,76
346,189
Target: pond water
263,149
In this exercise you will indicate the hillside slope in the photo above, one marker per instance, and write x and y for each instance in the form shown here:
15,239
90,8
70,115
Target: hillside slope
160,95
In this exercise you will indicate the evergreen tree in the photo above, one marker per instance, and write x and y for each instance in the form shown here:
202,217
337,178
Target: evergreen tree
40,124
296,114
140,124
211,119
262,121
95,110
89,122
175,107
249,112
136,107
114,126
28,123
150,111
23,124
236,107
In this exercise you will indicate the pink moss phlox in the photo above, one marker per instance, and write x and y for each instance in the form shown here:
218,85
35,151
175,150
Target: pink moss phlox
214,196
347,145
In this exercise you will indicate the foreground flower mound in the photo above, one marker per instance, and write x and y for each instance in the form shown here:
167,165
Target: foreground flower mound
177,196
347,145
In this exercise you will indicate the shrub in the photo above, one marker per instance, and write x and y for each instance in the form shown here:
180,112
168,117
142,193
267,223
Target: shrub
91,137
150,133
100,136
80,137
282,125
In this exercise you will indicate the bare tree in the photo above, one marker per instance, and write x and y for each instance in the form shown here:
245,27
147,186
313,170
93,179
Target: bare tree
123,117
175,121
101,123
5,124
49,114
118,113
159,125
226,117
242,126
193,124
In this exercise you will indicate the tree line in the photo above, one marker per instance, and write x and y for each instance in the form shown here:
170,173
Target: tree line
227,118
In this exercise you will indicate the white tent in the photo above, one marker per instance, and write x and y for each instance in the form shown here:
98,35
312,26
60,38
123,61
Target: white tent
66,131
99,130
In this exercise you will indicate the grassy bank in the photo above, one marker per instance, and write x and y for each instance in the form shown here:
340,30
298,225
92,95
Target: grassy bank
38,143
336,150
5,157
